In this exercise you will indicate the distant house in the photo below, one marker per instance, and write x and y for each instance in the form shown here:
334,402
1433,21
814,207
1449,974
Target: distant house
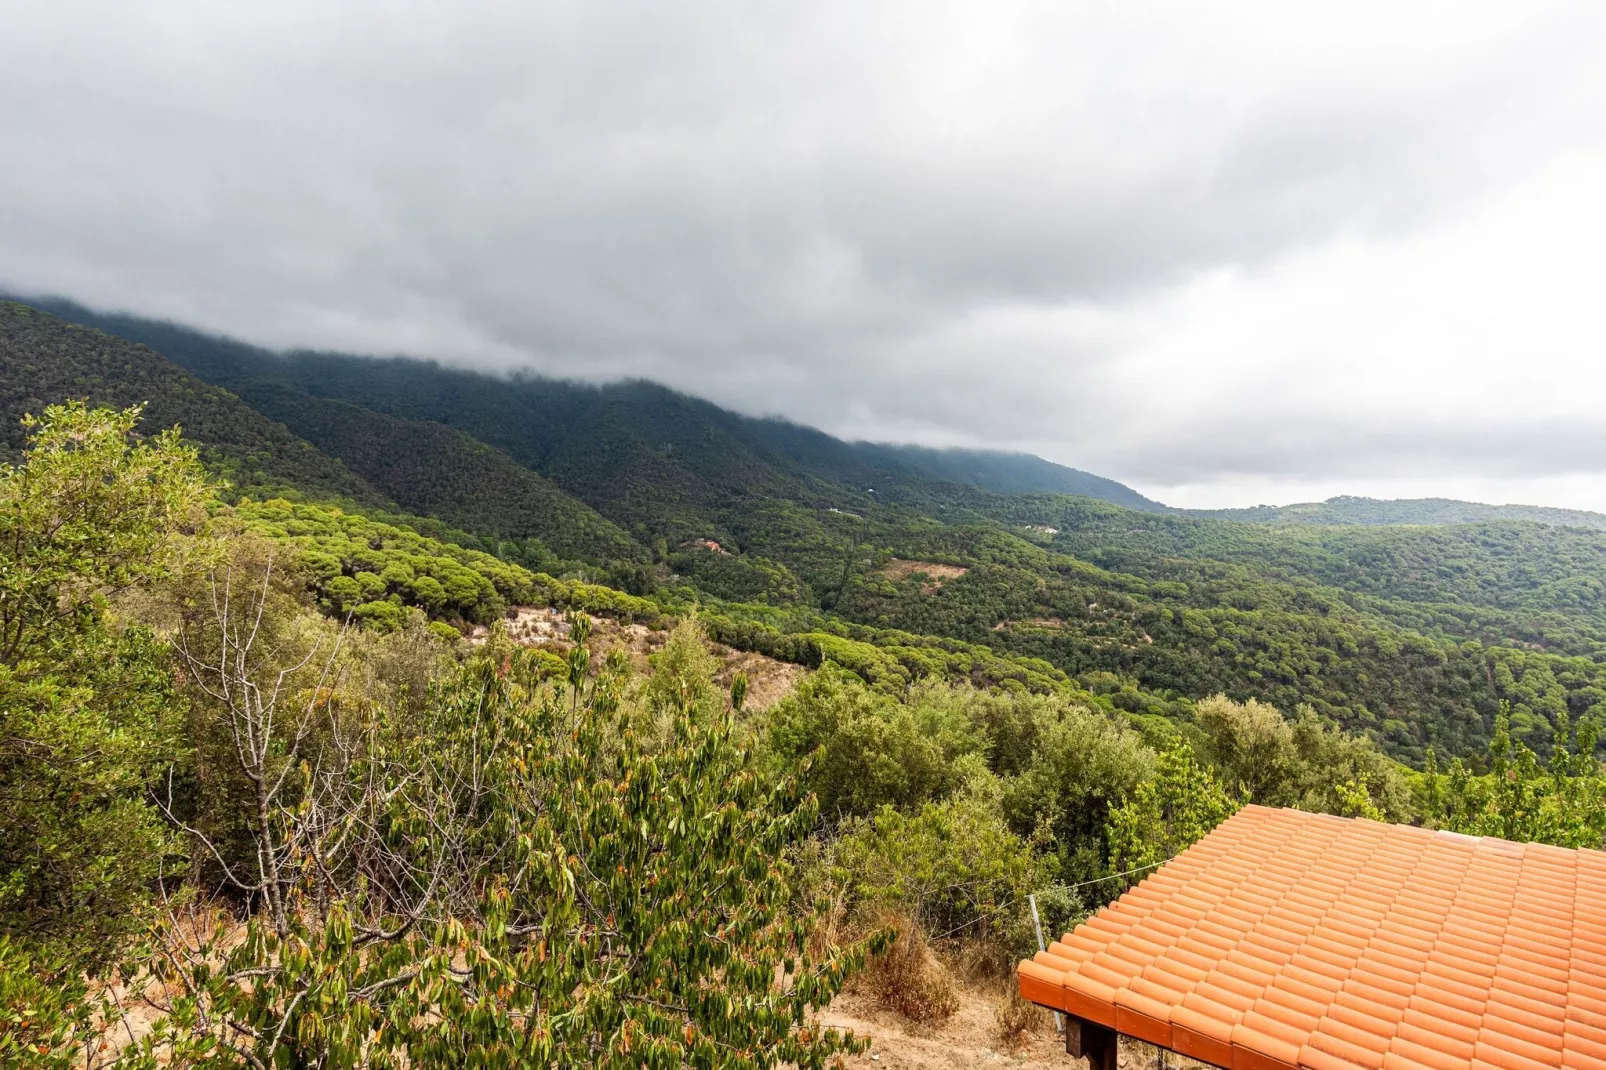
706,544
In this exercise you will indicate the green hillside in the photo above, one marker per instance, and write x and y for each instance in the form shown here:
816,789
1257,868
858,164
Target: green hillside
1507,581
1013,473
1369,511
435,471
643,455
46,360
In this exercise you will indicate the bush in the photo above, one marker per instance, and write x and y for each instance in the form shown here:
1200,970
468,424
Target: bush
873,750
46,1015
953,866
762,639
1306,762
444,631
1084,765
568,875
1168,812
88,717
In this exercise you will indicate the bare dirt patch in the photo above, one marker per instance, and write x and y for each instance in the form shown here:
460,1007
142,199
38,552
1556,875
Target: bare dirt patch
968,1039
1055,623
935,572
768,680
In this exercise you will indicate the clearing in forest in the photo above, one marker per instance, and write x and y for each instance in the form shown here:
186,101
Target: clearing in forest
767,679
899,569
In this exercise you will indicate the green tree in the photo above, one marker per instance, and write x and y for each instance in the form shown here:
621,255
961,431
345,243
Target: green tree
950,867
1167,812
1307,762
1252,746
867,750
1519,799
1086,764
87,709
683,674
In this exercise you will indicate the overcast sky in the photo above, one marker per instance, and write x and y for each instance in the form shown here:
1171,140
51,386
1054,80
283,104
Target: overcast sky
1227,253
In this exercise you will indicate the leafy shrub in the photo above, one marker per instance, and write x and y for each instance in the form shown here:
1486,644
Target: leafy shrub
87,712
1168,812
1519,799
1306,762
566,877
873,750
761,639
1084,764
954,867
46,1014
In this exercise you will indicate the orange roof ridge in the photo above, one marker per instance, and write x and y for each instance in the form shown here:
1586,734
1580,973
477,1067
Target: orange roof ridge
1287,940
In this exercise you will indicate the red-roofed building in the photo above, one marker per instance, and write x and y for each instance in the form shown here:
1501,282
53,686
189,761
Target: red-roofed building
1293,941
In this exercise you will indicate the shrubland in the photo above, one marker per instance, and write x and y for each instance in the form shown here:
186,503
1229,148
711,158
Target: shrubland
324,844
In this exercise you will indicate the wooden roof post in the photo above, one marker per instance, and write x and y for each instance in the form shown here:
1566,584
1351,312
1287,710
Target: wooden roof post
1089,1040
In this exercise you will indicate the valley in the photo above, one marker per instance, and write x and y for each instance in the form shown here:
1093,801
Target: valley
1407,632
562,662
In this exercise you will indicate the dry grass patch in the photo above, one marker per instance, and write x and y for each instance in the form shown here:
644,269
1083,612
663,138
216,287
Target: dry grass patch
935,572
909,979
1016,1021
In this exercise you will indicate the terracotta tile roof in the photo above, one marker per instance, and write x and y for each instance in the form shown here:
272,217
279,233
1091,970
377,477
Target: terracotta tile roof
1285,939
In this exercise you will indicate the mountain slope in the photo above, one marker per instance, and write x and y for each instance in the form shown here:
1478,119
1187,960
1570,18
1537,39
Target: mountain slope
433,470
1349,510
44,360
639,452
1014,473
1508,581
1368,624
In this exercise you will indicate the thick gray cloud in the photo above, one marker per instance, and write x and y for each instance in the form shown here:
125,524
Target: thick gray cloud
1217,254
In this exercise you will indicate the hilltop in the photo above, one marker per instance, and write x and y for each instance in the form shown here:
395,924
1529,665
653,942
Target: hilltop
1351,510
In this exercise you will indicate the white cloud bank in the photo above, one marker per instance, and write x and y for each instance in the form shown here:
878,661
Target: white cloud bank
1268,254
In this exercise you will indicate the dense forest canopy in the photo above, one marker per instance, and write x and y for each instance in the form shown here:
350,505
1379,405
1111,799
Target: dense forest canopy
47,361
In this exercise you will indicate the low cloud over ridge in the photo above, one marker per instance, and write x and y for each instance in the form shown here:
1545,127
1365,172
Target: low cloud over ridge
1226,258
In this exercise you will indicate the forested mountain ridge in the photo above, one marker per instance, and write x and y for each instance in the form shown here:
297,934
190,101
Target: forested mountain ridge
277,441
44,360
432,470
1503,581
672,461
1348,509
421,389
